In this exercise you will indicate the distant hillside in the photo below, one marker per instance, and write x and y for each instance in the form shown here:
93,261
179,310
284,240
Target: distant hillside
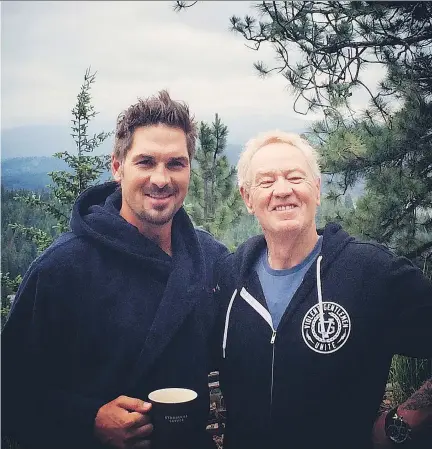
31,173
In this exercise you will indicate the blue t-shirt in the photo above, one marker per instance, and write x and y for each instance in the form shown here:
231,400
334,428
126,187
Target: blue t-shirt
279,286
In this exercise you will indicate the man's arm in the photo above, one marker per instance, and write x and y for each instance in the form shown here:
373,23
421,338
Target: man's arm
416,411
409,327
58,418
409,333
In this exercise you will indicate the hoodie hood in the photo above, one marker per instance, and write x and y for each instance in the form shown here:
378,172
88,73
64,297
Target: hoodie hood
95,215
334,240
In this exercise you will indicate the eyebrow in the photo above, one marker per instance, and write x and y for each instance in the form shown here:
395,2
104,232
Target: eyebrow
260,173
182,159
264,173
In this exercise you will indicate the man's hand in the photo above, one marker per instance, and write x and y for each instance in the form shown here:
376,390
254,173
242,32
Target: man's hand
124,423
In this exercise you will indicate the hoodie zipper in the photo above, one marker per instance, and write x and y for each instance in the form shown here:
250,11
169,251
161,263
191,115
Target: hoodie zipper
272,342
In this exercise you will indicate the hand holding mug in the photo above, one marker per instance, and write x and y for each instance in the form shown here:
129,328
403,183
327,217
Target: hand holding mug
124,423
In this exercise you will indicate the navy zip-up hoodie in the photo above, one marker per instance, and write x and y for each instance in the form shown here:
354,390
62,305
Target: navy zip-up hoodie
318,379
105,312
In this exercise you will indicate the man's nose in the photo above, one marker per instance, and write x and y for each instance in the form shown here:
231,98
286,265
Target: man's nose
159,176
282,187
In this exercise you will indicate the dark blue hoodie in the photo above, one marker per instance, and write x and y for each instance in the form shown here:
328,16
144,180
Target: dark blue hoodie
105,312
317,381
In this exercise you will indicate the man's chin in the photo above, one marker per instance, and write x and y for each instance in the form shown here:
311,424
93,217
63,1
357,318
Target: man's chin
159,221
158,218
286,226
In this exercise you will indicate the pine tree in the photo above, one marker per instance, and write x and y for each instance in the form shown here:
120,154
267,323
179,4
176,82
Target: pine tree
335,41
396,165
9,287
213,201
85,170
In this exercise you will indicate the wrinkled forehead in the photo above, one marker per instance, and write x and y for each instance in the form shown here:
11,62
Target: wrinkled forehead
277,157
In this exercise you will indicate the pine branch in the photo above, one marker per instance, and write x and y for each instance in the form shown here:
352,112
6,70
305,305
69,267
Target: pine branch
180,5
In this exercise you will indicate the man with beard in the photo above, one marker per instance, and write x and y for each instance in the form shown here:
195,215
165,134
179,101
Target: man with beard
121,305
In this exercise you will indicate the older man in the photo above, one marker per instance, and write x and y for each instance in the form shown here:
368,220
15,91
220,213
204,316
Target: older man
311,319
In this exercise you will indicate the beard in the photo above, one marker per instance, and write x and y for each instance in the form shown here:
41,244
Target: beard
159,215
138,206
156,217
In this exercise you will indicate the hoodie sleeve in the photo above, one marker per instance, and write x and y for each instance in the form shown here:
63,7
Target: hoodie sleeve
35,413
411,332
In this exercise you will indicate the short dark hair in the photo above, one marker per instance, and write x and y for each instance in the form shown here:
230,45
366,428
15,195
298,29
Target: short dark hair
160,109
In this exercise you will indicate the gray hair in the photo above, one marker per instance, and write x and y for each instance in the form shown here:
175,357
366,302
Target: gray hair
267,138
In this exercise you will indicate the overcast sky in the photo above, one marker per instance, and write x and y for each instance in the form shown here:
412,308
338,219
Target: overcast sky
137,49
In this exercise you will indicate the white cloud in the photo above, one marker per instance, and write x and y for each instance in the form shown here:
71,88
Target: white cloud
137,48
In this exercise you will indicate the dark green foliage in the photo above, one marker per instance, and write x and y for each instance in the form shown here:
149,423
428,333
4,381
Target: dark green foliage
246,227
213,201
407,376
18,252
396,164
9,286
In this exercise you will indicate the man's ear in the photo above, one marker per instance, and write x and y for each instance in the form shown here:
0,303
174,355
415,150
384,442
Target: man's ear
318,185
116,168
247,199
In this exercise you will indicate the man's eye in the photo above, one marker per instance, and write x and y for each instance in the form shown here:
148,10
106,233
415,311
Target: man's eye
145,162
295,179
266,182
176,164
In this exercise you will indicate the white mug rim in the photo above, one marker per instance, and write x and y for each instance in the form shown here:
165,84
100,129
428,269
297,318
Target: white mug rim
155,396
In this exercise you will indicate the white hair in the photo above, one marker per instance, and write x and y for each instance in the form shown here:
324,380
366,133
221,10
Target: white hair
267,138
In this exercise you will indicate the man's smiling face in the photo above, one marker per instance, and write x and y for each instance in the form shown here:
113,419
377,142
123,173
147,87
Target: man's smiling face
154,176
283,194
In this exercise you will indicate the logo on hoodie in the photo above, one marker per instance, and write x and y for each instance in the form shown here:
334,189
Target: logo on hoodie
326,327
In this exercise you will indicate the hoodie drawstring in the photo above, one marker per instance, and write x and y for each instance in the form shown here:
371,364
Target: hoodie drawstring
320,306
320,303
227,317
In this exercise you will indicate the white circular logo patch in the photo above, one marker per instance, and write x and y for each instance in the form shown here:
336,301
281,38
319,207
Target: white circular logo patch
328,333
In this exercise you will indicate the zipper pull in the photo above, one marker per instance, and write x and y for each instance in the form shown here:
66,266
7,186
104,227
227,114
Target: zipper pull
273,337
